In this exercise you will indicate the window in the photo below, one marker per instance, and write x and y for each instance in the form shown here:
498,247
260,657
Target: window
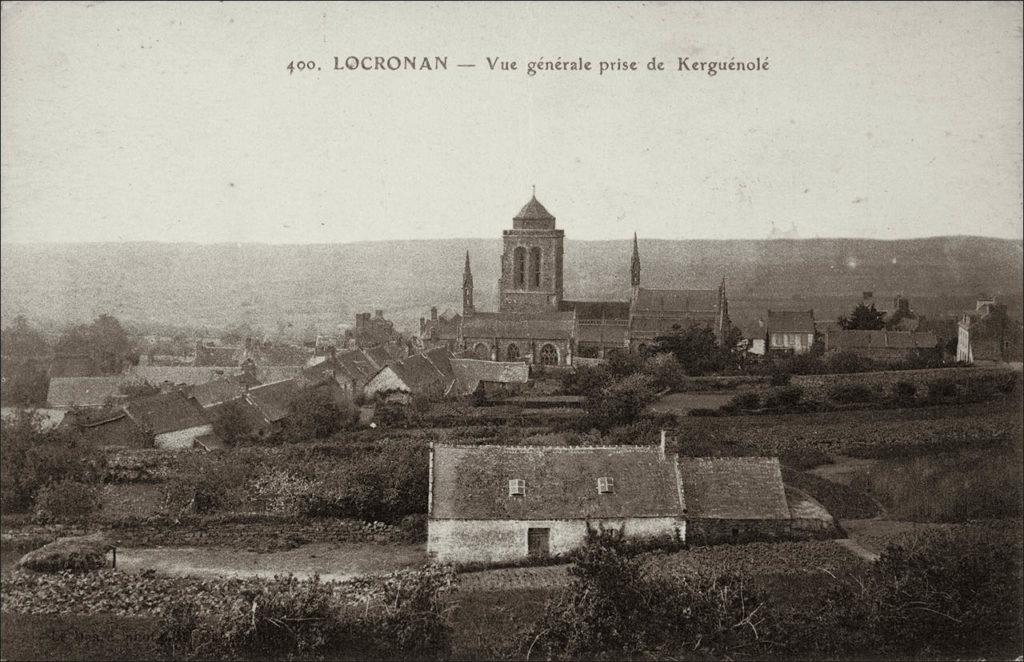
535,267
517,487
519,266
605,485
549,355
512,353
482,351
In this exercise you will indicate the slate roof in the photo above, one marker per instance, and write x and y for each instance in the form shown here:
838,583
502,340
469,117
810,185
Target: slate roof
471,482
733,488
790,321
468,373
513,325
274,400
440,358
219,390
118,430
660,301
276,373
378,356
251,414
219,356
608,333
356,365
533,211
84,391
182,375
417,372
73,365
166,412
597,310
860,339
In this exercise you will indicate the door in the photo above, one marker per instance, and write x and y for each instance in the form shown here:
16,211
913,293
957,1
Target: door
538,542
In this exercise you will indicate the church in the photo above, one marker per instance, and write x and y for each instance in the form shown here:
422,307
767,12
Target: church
537,324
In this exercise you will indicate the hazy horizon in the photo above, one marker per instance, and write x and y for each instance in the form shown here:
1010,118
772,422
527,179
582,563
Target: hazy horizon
180,122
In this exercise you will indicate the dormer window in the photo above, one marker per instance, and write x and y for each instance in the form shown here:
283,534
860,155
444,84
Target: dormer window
605,485
517,487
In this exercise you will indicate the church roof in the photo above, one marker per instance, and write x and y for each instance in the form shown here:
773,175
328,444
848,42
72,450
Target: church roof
533,211
660,301
519,326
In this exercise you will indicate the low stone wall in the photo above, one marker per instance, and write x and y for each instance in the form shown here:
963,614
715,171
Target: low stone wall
817,386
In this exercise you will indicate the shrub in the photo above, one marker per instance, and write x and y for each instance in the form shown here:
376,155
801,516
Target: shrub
74,553
704,411
231,424
665,371
846,362
66,501
779,378
783,396
317,413
904,392
621,403
941,389
748,400
851,393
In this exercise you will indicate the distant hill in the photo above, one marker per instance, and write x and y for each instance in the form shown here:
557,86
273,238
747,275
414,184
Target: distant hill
221,284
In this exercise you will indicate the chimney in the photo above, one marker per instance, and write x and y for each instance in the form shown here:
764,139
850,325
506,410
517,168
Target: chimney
662,445
868,296
423,325
379,314
433,313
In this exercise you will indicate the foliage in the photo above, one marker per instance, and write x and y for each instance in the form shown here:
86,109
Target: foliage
105,341
841,501
65,500
695,348
316,413
747,400
847,362
619,404
207,482
665,371
780,378
851,392
26,384
940,389
72,554
231,424
865,318
21,341
32,458
783,396
904,392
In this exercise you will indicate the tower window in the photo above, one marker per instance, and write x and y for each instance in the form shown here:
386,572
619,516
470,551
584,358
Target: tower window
517,487
519,266
535,267
548,355
605,485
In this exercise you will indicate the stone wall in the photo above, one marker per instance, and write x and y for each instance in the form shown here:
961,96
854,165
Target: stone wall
817,386
503,541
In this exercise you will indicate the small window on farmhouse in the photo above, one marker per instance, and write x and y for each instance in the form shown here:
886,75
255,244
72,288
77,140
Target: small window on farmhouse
517,487
605,485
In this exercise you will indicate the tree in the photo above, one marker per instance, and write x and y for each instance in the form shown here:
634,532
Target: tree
695,348
863,318
621,403
231,424
26,384
21,341
316,413
105,341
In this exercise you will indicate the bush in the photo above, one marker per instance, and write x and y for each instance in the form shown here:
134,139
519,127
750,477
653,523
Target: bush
783,396
317,414
704,411
74,554
779,378
748,400
619,404
846,362
665,371
904,393
851,393
941,389
66,501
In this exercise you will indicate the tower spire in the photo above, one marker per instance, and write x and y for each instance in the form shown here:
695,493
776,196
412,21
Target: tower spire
634,270
467,289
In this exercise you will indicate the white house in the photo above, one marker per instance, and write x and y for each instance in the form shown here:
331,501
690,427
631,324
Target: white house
790,331
493,504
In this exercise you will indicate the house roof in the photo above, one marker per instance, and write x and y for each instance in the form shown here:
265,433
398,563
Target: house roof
166,412
357,365
860,339
274,400
652,326
597,310
219,390
73,365
514,326
281,355
117,430
608,332
251,414
418,372
219,356
268,374
378,356
790,321
661,301
183,375
440,358
469,373
733,487
472,482
84,391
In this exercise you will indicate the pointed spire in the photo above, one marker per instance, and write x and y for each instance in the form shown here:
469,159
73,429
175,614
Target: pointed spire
634,270
467,262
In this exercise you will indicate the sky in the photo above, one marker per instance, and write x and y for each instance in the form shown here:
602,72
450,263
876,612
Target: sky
181,122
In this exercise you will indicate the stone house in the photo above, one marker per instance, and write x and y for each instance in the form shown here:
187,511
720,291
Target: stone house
790,331
739,499
429,374
493,504
984,334
883,346
174,420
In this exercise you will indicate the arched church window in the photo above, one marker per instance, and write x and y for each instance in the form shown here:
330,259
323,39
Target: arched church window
519,266
482,351
549,355
512,353
535,267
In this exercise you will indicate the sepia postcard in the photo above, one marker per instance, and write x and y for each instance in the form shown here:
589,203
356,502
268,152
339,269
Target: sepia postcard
511,331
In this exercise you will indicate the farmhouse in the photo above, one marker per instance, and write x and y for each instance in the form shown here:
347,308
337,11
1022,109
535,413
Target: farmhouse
790,331
173,419
884,346
501,503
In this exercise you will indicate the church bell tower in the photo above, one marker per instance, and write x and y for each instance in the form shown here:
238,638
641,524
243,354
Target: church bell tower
531,264
467,289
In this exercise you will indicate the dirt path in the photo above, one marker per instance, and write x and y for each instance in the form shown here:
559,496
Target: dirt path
330,561
857,549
